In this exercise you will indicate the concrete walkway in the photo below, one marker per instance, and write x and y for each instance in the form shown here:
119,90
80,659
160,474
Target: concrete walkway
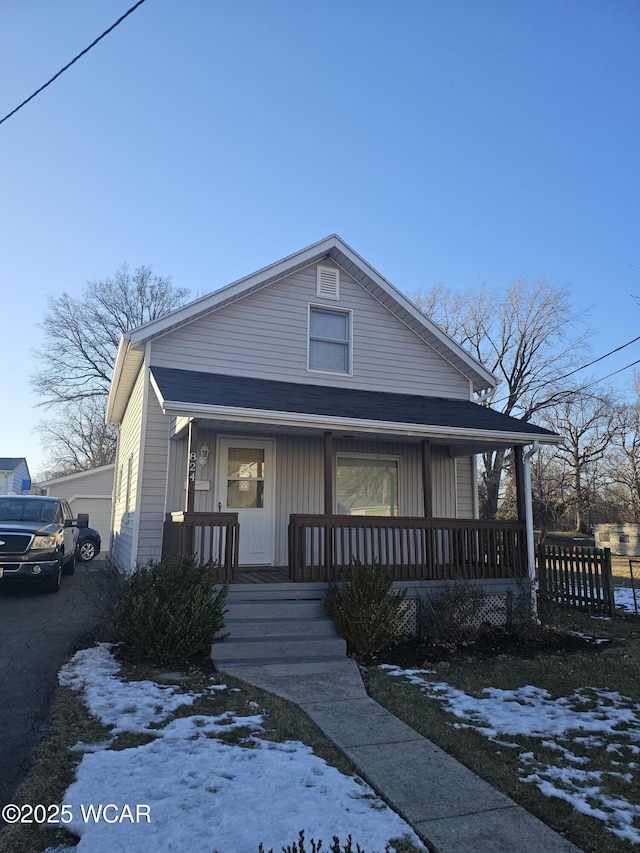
452,809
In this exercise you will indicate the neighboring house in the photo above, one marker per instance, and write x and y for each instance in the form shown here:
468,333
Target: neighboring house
316,406
88,492
623,538
14,476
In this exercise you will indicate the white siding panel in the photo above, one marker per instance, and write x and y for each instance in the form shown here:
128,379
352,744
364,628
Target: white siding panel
264,335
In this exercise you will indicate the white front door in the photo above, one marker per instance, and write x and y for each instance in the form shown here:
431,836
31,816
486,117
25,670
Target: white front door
246,485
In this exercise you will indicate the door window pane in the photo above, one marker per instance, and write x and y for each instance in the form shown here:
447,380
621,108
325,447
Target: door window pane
245,478
245,494
367,486
245,462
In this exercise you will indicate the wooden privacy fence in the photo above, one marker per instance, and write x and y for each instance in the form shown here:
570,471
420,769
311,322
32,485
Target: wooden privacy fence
580,579
322,547
207,536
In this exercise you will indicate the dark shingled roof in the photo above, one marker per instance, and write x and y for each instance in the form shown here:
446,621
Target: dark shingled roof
8,463
211,389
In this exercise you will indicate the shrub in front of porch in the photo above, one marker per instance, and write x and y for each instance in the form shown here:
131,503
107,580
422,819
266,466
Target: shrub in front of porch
366,612
454,614
167,612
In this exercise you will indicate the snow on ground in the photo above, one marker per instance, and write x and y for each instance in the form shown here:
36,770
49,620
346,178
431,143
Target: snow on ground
623,596
589,717
204,795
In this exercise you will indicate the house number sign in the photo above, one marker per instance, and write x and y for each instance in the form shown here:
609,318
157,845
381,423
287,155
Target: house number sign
192,467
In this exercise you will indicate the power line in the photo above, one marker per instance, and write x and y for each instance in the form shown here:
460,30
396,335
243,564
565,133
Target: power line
583,367
75,59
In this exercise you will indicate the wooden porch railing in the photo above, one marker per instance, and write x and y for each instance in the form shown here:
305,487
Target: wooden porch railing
321,547
206,536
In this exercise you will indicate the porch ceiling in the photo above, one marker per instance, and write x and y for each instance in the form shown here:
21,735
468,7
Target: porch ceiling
287,405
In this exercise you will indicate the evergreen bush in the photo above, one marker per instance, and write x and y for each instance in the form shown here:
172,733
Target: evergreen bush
366,612
167,612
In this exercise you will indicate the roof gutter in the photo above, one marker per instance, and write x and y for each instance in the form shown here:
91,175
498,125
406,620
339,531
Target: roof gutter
303,419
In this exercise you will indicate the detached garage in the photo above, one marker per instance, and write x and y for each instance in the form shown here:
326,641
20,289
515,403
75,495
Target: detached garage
87,491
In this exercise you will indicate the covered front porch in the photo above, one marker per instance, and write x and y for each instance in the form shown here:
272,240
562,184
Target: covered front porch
260,490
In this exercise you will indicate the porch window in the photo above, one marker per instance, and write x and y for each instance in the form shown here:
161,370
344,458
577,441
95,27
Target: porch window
329,340
366,486
245,478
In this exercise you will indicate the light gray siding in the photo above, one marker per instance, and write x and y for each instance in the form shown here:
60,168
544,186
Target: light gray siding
465,487
126,482
154,482
443,482
265,335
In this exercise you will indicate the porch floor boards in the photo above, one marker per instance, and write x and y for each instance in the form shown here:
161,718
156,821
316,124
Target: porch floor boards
259,574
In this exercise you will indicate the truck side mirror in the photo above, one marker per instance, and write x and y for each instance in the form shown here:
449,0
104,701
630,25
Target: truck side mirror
83,519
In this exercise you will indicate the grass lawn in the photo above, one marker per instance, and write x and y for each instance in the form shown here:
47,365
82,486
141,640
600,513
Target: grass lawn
594,763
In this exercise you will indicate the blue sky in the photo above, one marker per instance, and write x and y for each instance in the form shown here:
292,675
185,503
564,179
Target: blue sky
454,141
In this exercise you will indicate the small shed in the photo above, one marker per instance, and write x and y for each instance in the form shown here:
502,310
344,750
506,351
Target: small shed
14,476
87,491
623,538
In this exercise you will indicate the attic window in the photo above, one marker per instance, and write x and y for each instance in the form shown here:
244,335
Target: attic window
328,283
329,340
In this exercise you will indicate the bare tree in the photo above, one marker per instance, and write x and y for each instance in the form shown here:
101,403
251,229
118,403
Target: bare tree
528,337
81,340
82,334
623,462
78,439
588,424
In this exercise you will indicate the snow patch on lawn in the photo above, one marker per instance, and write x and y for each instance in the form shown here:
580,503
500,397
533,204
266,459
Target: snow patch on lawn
205,795
603,719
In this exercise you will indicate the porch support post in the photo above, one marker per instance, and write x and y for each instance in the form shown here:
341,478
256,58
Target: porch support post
328,504
426,479
192,461
328,473
518,469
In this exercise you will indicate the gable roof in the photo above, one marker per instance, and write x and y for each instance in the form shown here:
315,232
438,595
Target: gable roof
9,463
220,396
78,475
131,349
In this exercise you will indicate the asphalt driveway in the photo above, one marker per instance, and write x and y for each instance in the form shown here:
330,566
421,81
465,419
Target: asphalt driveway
38,632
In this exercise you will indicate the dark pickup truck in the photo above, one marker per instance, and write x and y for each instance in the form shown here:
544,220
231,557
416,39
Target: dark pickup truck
38,538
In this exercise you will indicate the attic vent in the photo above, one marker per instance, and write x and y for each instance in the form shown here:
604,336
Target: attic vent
328,286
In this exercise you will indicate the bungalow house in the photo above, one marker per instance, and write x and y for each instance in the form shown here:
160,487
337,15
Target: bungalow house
305,416
14,476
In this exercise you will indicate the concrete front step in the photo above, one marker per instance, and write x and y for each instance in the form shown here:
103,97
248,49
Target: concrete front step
273,609
239,628
285,664
254,648
277,591
277,623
